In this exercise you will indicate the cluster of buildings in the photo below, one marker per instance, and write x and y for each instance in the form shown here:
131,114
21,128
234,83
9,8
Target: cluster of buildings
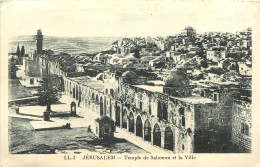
185,93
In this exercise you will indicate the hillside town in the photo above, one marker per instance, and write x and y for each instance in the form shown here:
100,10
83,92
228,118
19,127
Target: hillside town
185,93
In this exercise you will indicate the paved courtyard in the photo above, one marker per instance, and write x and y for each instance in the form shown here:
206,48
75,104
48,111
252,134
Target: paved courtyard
64,140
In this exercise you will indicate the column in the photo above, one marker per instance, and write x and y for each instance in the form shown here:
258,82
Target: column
162,139
143,131
135,126
121,117
152,136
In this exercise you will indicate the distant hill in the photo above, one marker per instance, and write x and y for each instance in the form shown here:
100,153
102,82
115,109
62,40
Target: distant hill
64,44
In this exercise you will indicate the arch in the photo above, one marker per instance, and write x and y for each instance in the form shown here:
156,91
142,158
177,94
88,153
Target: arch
131,122
101,106
159,110
182,115
112,92
147,130
93,96
157,135
77,92
118,116
168,139
66,86
110,109
97,98
80,92
202,93
74,92
70,88
124,120
139,126
164,113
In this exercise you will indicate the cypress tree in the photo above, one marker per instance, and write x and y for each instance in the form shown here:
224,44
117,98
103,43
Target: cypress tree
22,51
18,52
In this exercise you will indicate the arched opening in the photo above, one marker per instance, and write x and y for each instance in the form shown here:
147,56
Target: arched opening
182,115
105,106
110,110
159,110
139,126
70,88
202,93
165,114
168,139
112,92
97,98
101,106
67,84
77,93
93,96
118,116
74,92
157,135
147,130
124,115
131,123
63,85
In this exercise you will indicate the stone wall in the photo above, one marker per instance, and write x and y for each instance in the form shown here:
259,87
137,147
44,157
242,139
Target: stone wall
241,125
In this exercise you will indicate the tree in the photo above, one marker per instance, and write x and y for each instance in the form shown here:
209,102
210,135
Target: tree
12,68
48,92
136,52
18,52
22,51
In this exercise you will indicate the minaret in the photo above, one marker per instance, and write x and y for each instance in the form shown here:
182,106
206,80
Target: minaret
39,38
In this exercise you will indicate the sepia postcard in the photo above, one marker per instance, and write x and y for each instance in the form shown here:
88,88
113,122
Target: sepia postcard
107,83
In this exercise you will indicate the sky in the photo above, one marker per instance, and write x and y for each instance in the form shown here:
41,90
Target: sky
125,18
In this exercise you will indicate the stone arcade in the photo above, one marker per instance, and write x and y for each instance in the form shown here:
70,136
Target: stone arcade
166,116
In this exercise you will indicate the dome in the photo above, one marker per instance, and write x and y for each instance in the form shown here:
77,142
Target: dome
221,80
188,28
177,79
104,119
130,74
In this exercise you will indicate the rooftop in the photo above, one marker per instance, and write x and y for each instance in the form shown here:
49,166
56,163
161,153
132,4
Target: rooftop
195,99
150,88
90,82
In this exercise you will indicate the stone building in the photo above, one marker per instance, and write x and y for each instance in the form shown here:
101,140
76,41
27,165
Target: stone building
105,127
241,125
32,66
189,32
167,116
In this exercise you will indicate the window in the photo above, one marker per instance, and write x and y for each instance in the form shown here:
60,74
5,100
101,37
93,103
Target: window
31,81
181,112
245,129
215,97
183,147
183,120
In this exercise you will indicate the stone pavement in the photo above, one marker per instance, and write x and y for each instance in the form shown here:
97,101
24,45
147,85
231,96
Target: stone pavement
89,119
85,117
